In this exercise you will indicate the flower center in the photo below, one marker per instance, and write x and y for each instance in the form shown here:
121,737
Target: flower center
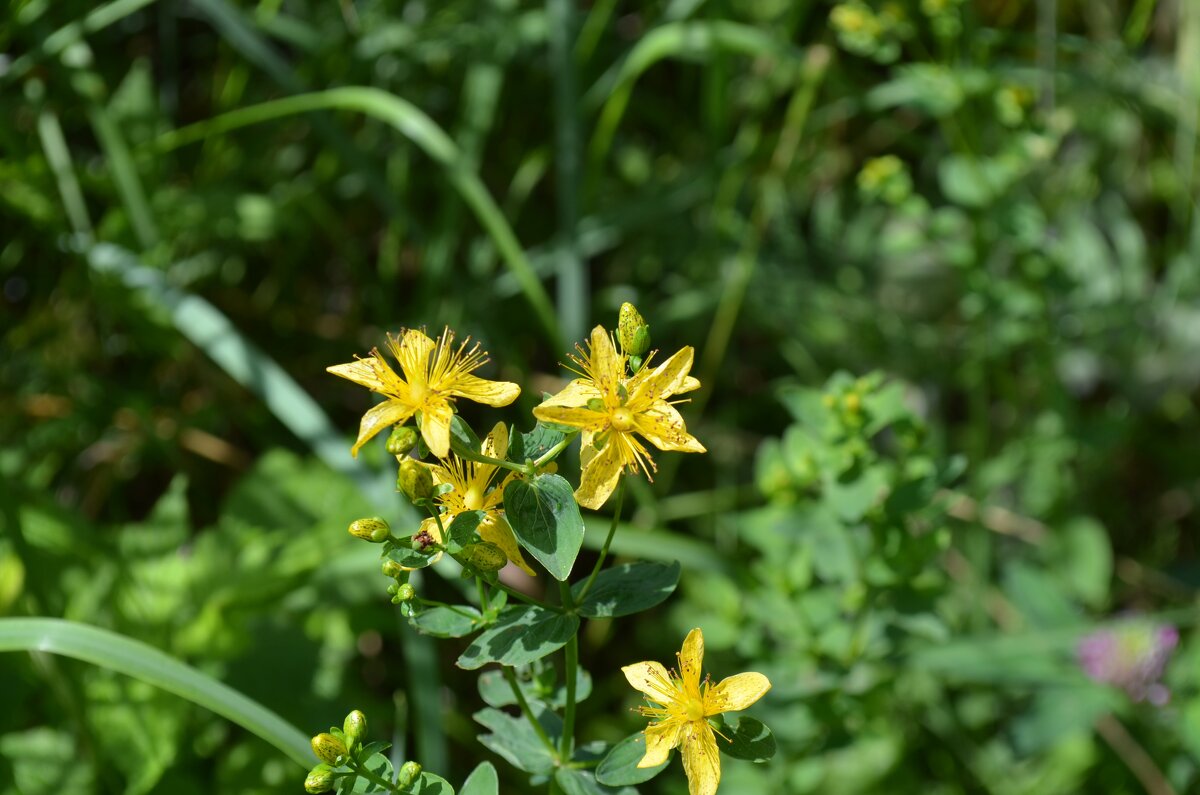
695,709
622,419
473,499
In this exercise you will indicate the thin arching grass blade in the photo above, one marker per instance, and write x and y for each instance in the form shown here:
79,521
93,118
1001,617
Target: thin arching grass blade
148,664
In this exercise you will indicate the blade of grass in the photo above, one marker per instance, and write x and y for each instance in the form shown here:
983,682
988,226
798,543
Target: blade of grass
95,20
146,663
207,328
231,23
415,125
59,157
125,175
615,88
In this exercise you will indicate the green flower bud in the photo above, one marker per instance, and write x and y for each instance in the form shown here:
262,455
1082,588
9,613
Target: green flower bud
402,439
392,569
405,593
635,363
415,480
374,529
328,748
320,779
484,556
632,331
408,774
355,726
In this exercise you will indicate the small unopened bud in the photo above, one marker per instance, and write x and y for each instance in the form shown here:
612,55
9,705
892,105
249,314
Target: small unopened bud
484,556
408,774
320,779
392,569
404,593
328,748
635,363
374,529
355,725
853,402
402,439
632,331
415,480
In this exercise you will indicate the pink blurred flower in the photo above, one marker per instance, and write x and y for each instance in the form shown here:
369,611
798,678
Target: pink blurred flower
1131,656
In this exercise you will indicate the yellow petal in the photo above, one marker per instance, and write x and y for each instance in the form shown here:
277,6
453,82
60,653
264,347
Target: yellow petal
607,366
385,415
495,444
701,761
691,657
582,418
652,679
660,739
690,384
575,394
412,349
435,426
495,528
364,372
662,425
587,449
735,692
493,393
666,380
598,480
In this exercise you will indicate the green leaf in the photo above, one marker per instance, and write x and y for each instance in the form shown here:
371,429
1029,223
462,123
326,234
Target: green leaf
545,518
495,691
136,659
1084,558
620,768
748,739
532,445
515,739
521,634
577,782
462,438
447,622
430,784
407,557
463,531
482,781
627,589
378,764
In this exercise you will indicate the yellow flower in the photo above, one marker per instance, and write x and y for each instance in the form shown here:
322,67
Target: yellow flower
435,373
609,409
470,491
680,705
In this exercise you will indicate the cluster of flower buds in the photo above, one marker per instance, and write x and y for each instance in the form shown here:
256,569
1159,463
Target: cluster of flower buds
333,748
1132,657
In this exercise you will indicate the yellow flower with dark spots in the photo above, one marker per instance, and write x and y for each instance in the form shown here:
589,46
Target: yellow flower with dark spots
609,409
680,704
476,487
435,373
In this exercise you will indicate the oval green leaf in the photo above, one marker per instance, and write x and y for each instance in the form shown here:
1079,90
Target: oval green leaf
520,635
746,738
447,622
627,589
619,768
545,518
482,781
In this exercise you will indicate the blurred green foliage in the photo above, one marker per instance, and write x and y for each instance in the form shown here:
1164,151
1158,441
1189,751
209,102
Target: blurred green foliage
985,210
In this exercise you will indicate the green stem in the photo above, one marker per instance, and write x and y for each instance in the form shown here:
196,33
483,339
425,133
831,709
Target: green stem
369,776
552,453
480,458
483,597
527,599
454,608
571,672
511,677
612,531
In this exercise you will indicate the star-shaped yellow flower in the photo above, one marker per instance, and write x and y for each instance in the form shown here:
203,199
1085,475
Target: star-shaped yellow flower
470,482
680,703
435,373
610,408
